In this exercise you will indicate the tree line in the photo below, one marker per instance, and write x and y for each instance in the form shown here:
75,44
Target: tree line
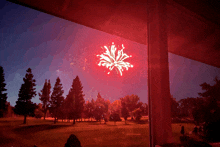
73,106
203,110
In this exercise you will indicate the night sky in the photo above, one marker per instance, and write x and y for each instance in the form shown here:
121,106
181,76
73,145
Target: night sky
54,47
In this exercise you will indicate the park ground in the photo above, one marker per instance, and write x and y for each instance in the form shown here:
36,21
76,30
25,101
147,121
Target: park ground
44,133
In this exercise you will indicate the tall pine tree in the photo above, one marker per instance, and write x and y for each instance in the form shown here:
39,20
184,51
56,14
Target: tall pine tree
57,99
75,100
45,96
24,106
3,96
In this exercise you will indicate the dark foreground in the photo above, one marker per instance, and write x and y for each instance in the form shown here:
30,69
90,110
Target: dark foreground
43,133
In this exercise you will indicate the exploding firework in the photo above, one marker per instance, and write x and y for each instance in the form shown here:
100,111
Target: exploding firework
111,58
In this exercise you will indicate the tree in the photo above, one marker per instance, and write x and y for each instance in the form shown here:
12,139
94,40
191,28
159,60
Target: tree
199,112
115,106
211,109
132,103
63,111
38,111
45,96
137,114
115,116
212,93
144,109
3,96
10,110
186,107
101,108
193,108
89,108
93,107
24,106
124,110
57,98
75,100
174,108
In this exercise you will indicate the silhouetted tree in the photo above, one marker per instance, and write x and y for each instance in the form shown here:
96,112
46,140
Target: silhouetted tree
137,114
93,107
144,109
24,106
63,111
66,108
115,116
124,110
186,107
45,96
212,93
57,98
211,109
132,102
3,96
101,108
89,108
38,111
10,110
175,112
198,111
115,106
192,107
69,108
75,100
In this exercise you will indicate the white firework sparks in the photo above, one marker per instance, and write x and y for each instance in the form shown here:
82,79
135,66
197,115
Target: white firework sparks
111,59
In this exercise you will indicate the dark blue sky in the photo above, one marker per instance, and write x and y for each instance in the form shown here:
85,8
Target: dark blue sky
53,47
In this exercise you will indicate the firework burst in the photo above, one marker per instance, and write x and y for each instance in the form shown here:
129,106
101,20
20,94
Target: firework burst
111,58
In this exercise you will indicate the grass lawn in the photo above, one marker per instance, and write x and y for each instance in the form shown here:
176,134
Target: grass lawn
44,133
